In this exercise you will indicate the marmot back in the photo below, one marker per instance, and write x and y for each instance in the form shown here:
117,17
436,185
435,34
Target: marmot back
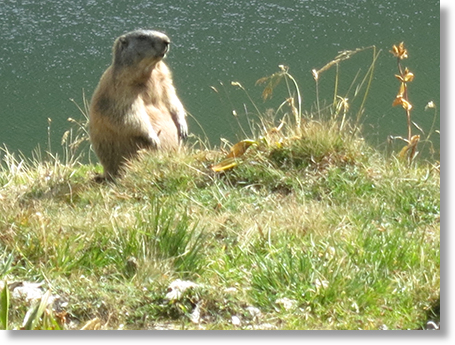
135,105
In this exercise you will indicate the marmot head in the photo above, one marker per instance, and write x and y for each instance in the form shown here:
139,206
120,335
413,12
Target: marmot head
144,47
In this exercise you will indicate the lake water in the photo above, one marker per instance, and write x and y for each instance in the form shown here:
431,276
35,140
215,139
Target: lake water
53,51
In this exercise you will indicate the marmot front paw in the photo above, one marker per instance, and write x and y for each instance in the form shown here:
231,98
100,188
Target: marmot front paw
183,130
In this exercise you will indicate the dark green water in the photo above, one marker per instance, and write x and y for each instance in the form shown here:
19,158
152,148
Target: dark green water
53,50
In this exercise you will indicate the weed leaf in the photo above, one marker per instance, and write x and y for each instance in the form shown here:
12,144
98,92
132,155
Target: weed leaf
272,82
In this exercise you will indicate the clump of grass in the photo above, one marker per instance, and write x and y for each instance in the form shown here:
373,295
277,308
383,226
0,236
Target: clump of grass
165,234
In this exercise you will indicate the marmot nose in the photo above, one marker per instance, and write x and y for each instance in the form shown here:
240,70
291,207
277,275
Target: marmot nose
166,43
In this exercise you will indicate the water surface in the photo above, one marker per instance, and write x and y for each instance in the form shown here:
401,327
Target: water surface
53,51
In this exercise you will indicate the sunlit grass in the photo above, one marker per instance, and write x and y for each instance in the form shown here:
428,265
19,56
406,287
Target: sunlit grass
302,225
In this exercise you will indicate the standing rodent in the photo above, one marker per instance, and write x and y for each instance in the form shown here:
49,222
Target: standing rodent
135,105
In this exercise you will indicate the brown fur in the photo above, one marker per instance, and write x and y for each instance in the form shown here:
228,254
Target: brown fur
135,105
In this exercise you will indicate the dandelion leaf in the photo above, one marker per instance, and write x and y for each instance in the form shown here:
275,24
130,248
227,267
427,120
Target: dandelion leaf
240,148
225,164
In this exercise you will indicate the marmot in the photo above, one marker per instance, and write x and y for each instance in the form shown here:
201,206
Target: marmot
135,105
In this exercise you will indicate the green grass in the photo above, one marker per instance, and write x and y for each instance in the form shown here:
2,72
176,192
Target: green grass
312,229
351,237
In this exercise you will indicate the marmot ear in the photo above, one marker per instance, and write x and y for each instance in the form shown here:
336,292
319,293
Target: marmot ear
123,42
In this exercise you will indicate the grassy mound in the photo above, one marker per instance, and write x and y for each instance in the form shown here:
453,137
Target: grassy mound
309,229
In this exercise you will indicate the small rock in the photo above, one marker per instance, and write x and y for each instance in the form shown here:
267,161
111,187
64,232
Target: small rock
235,321
254,312
195,316
286,302
28,291
178,287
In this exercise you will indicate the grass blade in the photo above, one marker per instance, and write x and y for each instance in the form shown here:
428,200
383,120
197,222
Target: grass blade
35,314
6,265
4,307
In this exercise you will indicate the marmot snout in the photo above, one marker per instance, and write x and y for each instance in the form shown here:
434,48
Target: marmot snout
135,105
